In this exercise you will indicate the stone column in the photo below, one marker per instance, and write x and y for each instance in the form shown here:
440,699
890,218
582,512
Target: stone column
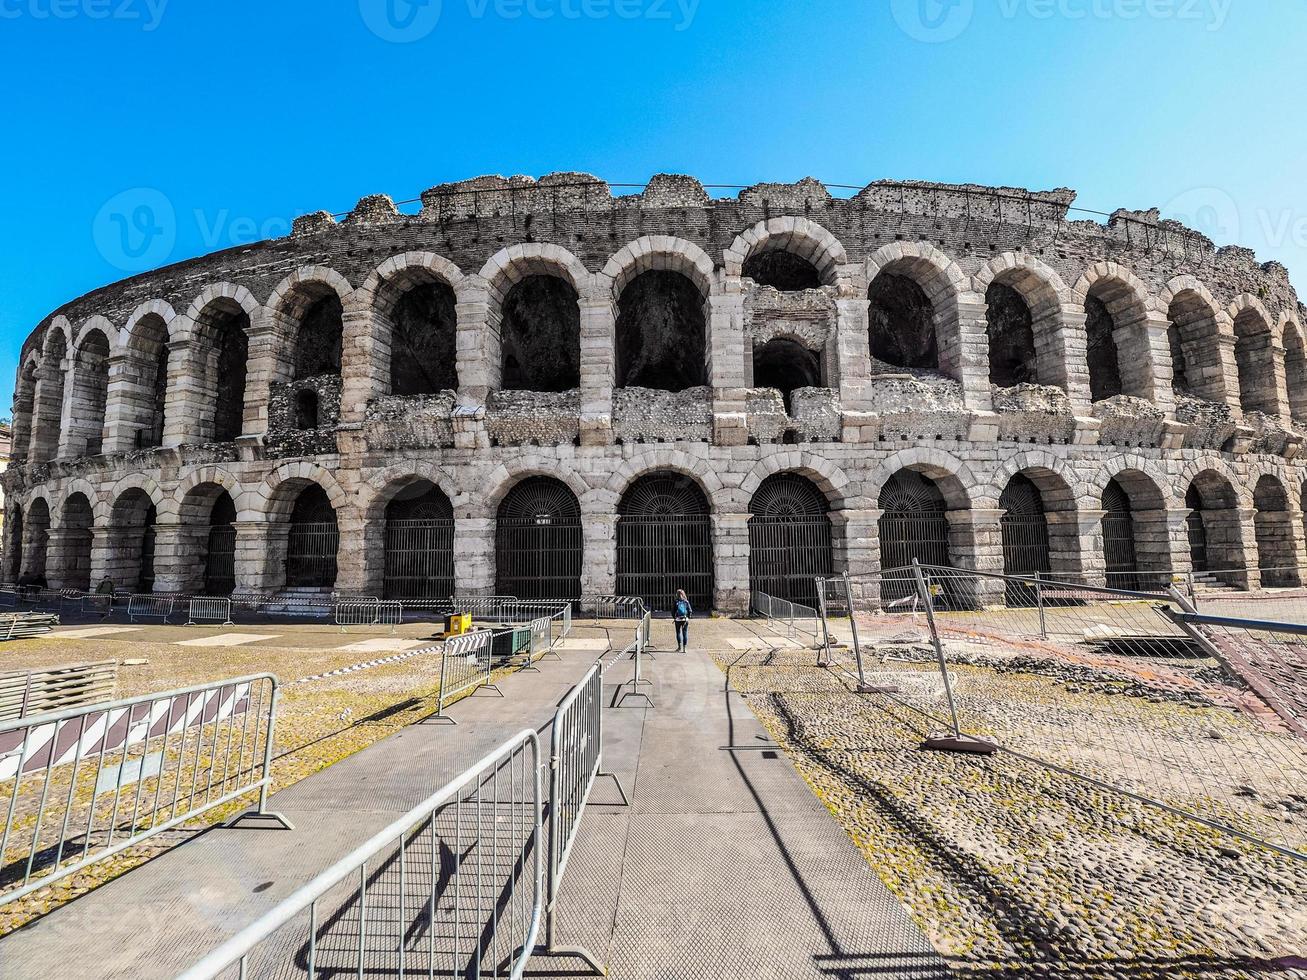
599,551
731,563
976,543
477,344
1093,558
598,368
270,338
726,353
110,558
351,575
125,403
260,556
1244,539
188,394
852,341
1145,356
967,358
1075,350
1228,382
1161,541
474,555
362,356
179,558
1065,545
855,538
1279,548
66,568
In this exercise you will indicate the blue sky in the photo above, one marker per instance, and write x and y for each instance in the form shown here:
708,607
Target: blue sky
239,115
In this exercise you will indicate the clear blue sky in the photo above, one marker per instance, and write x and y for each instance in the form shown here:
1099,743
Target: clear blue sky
243,114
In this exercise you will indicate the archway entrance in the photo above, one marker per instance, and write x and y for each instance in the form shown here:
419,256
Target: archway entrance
664,541
913,526
789,538
77,524
419,544
312,542
220,554
1122,564
1197,532
1024,527
538,541
1273,524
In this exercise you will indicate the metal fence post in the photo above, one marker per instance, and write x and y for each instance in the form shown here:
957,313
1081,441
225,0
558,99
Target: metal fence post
956,741
853,623
1039,601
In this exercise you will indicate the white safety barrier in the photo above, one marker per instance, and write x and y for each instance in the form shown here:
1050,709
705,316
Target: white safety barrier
85,783
209,609
452,888
150,607
465,664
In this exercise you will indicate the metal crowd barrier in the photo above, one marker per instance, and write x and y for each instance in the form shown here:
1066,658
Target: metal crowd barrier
357,612
462,667
542,636
150,607
635,652
85,783
98,603
209,609
774,608
452,888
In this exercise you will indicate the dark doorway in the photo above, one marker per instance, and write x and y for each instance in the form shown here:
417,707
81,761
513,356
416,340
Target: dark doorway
220,554
789,538
538,546
419,544
664,541
313,541
913,526
1024,527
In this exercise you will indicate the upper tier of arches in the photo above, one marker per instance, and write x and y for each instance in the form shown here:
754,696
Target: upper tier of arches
661,313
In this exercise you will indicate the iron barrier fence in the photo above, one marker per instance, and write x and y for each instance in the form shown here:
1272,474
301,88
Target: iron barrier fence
635,651
1128,691
367,611
794,615
150,607
452,888
97,604
465,664
209,609
86,783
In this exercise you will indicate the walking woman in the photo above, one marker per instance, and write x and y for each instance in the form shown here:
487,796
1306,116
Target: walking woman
681,616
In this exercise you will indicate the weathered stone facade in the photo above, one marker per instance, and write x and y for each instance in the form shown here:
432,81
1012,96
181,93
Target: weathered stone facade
121,391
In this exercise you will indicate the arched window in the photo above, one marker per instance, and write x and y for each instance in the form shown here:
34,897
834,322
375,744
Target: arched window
1024,527
313,541
423,349
1009,327
1277,556
786,365
902,323
419,543
49,407
90,394
1194,337
789,538
1101,352
306,409
1252,354
664,541
661,333
318,339
913,525
220,350
1295,374
782,270
538,541
540,333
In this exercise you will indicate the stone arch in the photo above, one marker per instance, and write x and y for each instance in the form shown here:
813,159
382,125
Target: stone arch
1255,341
1196,332
192,488
202,512
665,539
36,539
1119,355
129,560
48,398
656,458
24,408
72,563
914,290
661,287
220,324
409,534
1024,299
1135,530
949,473
390,481
507,475
533,321
1295,370
791,543
138,384
307,311
412,302
539,539
1213,525
90,393
13,543
284,483
1276,533
829,478
797,236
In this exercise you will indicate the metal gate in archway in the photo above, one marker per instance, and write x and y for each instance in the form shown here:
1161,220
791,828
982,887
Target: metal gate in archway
1024,527
313,541
913,526
220,553
148,537
1196,529
1122,564
789,538
419,547
664,542
538,544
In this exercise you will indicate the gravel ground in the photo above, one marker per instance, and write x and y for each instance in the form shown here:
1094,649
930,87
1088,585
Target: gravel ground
1015,869
319,722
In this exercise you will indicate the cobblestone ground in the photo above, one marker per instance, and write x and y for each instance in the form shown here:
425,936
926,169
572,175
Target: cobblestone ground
1018,870
319,722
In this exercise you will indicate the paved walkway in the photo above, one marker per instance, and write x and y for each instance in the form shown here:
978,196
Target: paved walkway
724,864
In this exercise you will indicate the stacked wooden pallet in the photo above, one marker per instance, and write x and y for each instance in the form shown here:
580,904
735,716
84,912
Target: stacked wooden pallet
32,692
16,626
